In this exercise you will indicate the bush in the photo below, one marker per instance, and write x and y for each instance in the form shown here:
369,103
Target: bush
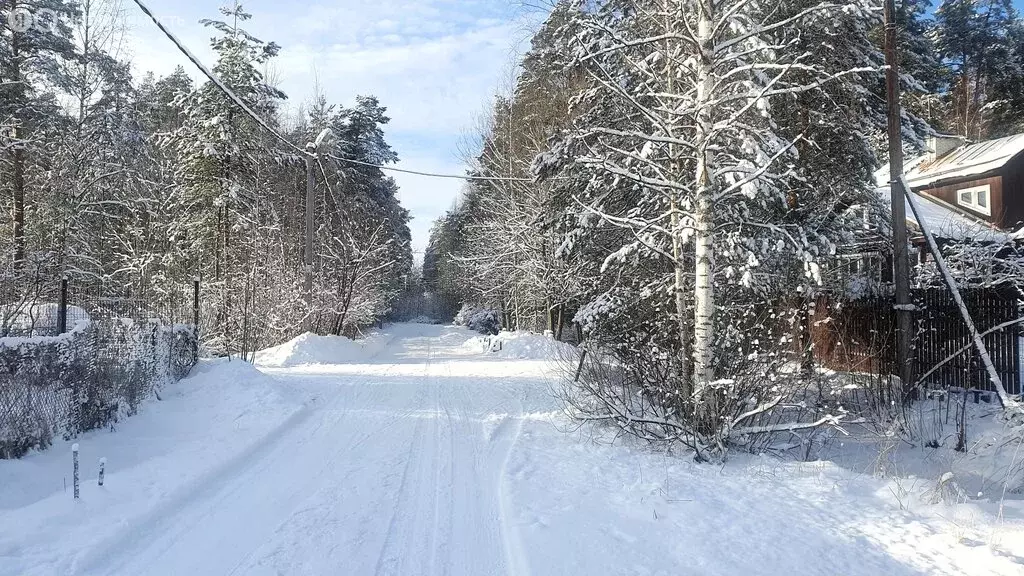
632,379
482,320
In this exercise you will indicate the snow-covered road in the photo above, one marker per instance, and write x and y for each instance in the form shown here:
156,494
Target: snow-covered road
424,456
394,468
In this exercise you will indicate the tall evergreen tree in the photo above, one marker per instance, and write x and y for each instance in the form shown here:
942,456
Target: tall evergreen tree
976,40
34,39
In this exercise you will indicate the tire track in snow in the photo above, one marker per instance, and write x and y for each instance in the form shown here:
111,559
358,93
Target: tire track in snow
165,526
134,535
516,562
389,562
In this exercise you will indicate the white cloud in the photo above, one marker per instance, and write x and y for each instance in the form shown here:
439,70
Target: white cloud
435,64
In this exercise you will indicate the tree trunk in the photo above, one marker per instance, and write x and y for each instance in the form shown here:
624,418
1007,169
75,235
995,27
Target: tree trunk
806,343
679,287
704,293
19,100
18,185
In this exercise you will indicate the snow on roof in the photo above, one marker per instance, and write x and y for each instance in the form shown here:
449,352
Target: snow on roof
944,220
970,160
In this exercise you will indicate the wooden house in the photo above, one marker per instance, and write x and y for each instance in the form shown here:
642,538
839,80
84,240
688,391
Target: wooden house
984,181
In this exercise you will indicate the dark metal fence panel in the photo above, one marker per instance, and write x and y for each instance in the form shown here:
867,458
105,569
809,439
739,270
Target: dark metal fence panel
942,332
858,336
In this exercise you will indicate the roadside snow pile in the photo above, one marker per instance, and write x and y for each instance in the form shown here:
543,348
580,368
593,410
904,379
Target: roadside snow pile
157,462
200,423
311,348
631,508
530,346
522,346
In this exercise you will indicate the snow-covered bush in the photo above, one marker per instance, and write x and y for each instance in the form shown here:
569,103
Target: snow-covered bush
482,320
631,378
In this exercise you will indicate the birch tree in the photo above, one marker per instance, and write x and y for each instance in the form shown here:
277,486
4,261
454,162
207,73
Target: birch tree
689,148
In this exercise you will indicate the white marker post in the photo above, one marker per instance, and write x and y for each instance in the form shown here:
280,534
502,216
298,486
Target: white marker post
74,458
103,466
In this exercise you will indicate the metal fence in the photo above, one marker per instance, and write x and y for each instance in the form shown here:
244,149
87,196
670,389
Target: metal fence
859,337
77,358
941,334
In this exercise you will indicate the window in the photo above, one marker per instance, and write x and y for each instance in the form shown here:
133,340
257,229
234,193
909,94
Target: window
976,198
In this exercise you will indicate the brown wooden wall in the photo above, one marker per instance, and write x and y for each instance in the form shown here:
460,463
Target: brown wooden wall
1013,193
947,193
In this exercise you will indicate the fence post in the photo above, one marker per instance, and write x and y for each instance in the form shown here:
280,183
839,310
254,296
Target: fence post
195,303
103,466
62,308
74,459
195,317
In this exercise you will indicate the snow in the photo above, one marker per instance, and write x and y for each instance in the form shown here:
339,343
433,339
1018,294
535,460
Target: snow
965,161
944,220
415,452
42,317
24,341
311,348
522,345
970,160
941,218
159,461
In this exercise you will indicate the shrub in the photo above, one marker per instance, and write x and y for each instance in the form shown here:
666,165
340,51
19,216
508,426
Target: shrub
482,320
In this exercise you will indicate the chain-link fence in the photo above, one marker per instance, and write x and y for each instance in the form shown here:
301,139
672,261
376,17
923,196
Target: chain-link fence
77,358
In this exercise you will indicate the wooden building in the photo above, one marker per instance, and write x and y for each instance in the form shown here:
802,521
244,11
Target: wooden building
984,181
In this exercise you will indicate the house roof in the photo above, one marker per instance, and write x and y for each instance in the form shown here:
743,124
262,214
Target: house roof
941,218
965,161
944,220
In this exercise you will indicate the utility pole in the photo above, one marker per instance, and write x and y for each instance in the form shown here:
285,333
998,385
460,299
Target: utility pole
313,151
901,257
310,199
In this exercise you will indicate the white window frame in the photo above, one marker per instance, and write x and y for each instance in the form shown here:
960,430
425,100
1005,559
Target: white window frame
973,203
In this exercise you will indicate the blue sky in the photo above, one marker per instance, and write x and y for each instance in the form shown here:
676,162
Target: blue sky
435,64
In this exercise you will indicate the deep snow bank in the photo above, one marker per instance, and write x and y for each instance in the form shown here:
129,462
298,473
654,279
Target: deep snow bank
522,346
205,416
156,461
311,348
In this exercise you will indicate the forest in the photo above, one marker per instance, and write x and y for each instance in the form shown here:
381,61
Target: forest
669,300
669,182
134,186
674,180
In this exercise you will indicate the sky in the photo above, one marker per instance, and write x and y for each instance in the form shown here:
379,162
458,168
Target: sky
435,64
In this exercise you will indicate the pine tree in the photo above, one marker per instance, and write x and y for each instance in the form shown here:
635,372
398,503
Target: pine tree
976,39
30,53
222,153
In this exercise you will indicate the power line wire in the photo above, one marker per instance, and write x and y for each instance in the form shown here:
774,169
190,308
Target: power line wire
245,108
217,82
430,174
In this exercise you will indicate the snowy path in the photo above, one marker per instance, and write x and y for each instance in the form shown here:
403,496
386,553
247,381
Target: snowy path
426,457
392,457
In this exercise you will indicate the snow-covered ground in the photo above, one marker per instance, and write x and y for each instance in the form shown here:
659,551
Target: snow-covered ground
421,454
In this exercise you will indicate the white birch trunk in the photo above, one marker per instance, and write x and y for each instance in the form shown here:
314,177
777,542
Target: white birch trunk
704,294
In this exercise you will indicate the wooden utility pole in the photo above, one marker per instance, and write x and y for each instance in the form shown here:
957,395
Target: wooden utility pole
310,199
901,257
313,151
